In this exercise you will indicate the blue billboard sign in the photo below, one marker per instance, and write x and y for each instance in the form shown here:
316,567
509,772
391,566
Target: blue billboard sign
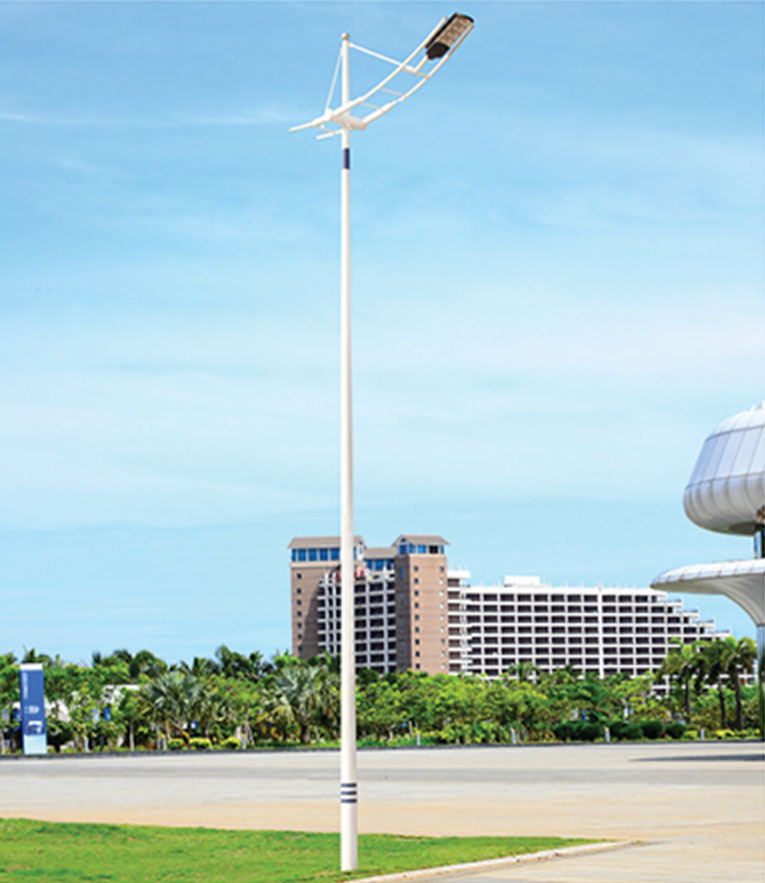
33,729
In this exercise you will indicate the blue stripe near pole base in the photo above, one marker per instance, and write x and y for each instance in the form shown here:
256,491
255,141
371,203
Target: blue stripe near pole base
348,792
347,158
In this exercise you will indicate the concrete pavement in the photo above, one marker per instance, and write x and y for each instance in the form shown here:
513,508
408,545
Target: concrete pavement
699,807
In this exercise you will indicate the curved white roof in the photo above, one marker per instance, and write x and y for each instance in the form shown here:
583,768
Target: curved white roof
727,486
742,581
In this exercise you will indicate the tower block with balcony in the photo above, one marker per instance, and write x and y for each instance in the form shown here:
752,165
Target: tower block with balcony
400,601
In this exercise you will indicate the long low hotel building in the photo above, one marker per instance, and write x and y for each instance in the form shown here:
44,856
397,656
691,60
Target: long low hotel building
413,612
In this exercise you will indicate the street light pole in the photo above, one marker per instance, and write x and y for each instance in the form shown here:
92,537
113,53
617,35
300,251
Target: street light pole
410,75
348,786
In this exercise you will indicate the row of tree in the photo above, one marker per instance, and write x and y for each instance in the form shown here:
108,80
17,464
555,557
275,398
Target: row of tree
135,700
716,664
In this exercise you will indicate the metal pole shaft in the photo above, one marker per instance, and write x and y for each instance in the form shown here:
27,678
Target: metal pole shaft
348,786
761,679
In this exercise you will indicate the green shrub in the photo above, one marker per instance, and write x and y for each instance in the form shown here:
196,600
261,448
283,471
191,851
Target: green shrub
626,730
587,731
199,743
176,744
617,729
577,731
724,734
676,730
652,729
453,734
231,744
562,730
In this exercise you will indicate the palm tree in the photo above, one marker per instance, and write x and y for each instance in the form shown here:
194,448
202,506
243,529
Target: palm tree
682,664
715,660
33,656
302,696
741,657
144,662
236,665
175,697
201,667
523,670
133,708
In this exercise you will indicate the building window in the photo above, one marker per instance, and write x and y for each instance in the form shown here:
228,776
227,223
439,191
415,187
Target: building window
416,580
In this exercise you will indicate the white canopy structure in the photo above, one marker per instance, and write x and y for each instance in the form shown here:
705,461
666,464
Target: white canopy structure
742,581
727,486
726,493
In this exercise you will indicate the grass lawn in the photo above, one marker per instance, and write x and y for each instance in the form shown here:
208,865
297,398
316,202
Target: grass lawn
31,850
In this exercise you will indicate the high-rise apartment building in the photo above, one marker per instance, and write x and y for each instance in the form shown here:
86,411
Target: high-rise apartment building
599,630
412,612
401,601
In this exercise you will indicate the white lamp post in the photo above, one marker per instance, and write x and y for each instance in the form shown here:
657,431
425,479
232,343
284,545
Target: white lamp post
410,74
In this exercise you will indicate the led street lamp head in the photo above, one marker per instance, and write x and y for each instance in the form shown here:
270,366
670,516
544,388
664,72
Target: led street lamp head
406,78
445,37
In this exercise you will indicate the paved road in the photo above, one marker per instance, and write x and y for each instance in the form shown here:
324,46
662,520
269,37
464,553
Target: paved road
698,807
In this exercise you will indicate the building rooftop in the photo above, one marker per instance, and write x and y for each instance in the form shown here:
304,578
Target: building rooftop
379,552
320,542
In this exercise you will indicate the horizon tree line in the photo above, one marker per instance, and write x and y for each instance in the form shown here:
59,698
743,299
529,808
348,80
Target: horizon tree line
134,700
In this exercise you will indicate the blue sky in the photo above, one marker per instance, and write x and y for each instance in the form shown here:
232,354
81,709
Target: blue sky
558,293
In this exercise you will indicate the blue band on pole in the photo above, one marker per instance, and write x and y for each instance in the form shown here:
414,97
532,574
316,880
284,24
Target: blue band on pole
347,158
348,792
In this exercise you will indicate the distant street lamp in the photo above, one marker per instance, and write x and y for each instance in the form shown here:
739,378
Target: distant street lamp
421,64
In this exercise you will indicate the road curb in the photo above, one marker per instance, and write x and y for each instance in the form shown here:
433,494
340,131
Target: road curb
488,864
657,743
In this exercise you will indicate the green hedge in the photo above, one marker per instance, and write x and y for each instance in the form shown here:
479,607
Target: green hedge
578,731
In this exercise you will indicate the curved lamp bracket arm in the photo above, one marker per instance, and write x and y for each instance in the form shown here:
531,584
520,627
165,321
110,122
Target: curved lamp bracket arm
342,117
